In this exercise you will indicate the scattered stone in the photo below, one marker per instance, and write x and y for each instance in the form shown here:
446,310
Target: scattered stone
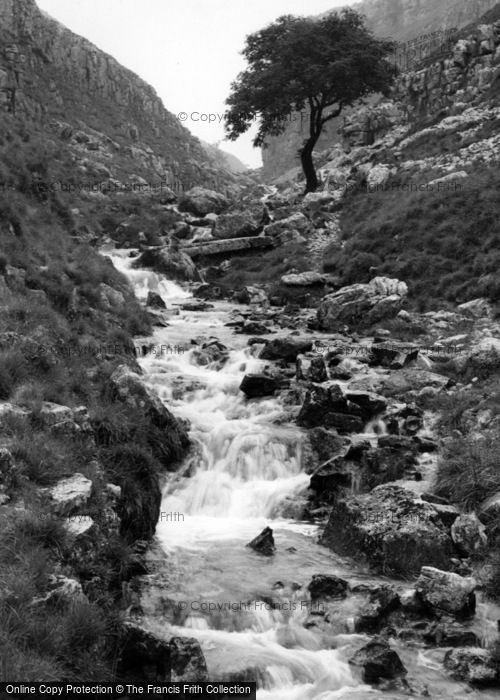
468,534
450,634
378,661
473,665
252,295
327,586
264,543
285,348
446,592
155,301
257,385
311,369
382,601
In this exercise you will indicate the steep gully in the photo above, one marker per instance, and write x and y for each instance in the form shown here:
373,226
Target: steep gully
248,610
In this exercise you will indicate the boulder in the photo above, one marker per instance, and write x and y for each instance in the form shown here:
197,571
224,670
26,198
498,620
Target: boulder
324,586
71,494
285,348
213,353
200,201
145,656
362,303
236,225
251,295
468,534
400,382
129,387
450,634
393,355
311,369
263,543
288,228
169,261
155,301
391,528
326,405
473,665
378,661
256,385
446,592
373,614
110,298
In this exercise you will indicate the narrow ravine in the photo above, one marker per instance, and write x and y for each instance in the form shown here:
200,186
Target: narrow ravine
251,614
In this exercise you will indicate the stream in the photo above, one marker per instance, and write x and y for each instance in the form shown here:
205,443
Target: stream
252,614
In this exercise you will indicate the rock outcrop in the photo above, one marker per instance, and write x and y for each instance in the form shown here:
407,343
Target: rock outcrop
395,531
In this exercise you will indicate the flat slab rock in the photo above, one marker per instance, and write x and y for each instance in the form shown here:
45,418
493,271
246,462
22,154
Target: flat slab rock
393,530
71,493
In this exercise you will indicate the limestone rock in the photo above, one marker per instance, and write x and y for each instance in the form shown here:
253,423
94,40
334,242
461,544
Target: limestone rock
446,592
362,303
303,279
471,664
201,201
395,531
468,534
71,494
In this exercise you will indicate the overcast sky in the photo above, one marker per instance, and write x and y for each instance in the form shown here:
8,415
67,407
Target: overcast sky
188,50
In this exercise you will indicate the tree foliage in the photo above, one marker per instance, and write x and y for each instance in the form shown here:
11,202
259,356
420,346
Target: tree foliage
300,63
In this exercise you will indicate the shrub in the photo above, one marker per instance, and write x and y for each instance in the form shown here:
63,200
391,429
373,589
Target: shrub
468,471
13,370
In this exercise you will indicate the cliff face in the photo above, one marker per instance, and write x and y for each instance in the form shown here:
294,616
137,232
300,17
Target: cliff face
51,75
399,19
407,19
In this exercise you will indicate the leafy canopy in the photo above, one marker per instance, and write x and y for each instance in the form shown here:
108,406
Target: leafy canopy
300,62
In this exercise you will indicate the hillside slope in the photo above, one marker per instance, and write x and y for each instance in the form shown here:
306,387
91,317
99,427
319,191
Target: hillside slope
109,116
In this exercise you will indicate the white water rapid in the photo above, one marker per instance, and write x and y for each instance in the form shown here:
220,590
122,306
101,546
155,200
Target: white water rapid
247,610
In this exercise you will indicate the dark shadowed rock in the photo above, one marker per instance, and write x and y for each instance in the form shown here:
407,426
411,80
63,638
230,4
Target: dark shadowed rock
326,405
451,634
395,531
311,369
155,301
373,614
328,586
393,354
285,349
378,661
255,385
263,543
146,657
446,592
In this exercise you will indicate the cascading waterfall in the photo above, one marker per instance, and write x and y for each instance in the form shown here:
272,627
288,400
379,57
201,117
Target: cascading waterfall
247,610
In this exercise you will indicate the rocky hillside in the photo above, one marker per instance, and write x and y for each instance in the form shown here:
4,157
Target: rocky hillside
81,96
399,19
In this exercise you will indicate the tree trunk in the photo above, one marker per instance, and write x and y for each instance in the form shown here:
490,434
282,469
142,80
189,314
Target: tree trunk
308,165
